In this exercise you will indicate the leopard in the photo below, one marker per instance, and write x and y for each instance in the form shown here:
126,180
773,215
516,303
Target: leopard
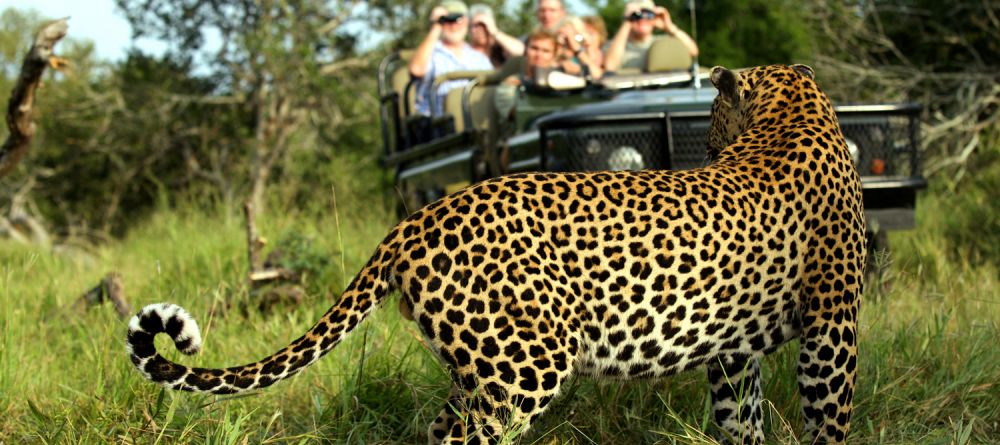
520,282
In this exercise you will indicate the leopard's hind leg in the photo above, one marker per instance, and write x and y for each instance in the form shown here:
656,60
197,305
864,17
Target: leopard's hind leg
736,398
447,419
501,397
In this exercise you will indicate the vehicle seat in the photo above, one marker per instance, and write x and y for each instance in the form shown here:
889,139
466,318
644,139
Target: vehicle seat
395,98
453,107
400,79
488,124
480,107
667,54
512,67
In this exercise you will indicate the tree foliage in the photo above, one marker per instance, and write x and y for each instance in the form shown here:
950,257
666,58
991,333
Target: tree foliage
116,139
734,34
257,92
938,54
272,60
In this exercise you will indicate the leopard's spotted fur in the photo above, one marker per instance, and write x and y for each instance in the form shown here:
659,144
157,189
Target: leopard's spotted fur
520,281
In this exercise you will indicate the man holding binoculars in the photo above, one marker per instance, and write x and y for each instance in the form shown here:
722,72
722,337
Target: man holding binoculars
444,50
632,41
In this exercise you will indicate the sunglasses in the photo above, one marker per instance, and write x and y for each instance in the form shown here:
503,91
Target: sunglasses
450,18
645,14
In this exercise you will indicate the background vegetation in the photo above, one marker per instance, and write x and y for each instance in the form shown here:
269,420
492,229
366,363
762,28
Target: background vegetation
139,167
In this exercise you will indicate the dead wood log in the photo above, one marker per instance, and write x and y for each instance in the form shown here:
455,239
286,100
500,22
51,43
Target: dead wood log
257,273
109,289
19,224
22,97
265,281
282,294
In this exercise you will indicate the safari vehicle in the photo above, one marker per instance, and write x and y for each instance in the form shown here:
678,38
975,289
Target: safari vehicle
655,120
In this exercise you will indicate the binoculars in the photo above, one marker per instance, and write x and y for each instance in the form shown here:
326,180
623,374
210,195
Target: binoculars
639,15
450,18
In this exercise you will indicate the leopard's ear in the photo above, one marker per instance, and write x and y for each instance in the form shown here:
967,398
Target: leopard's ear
804,70
725,81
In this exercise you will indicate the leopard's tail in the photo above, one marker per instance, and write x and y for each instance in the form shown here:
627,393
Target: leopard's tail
368,289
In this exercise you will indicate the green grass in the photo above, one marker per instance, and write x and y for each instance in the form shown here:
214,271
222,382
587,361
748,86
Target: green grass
930,367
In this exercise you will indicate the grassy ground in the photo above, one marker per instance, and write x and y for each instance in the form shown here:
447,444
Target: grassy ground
930,367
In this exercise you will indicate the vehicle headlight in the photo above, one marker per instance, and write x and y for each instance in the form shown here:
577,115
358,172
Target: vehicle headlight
593,147
852,148
626,158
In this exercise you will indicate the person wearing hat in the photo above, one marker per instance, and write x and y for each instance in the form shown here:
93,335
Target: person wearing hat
632,41
442,51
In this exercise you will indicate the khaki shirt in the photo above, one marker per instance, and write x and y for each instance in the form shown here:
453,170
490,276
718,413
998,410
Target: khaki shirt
635,54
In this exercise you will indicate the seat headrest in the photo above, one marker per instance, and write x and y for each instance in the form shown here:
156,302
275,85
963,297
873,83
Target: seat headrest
667,54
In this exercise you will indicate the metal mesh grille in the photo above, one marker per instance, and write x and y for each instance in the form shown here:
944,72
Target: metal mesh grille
688,142
618,146
881,144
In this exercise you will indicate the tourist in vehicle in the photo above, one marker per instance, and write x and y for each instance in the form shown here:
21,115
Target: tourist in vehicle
579,53
628,49
550,14
485,37
442,51
597,35
539,59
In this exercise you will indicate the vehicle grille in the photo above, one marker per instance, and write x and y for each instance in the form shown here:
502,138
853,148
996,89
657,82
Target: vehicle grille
884,142
618,145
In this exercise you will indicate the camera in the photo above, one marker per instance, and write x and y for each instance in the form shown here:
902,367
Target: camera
450,18
640,15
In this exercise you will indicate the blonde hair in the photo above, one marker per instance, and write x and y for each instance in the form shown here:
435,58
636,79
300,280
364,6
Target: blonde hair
596,22
573,21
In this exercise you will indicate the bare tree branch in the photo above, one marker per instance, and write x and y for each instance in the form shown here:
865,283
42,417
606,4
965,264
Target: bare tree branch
861,62
340,65
333,23
18,224
22,98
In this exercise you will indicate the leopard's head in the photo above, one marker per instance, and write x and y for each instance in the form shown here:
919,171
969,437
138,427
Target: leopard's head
743,96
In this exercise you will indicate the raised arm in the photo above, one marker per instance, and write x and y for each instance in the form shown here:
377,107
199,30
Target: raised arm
422,55
511,45
616,47
580,50
665,23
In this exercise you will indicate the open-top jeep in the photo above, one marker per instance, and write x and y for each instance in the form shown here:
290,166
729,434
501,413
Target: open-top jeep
654,120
